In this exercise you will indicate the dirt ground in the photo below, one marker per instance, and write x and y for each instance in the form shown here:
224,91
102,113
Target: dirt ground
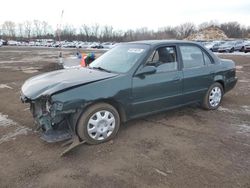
187,147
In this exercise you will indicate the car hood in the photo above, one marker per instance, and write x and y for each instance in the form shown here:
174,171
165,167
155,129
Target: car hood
55,81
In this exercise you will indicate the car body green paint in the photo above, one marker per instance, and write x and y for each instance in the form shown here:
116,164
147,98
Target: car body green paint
137,95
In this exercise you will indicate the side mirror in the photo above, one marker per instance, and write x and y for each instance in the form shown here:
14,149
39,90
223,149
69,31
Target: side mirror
146,70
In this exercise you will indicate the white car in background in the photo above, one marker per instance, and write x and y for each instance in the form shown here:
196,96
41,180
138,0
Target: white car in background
83,45
12,43
1,43
108,45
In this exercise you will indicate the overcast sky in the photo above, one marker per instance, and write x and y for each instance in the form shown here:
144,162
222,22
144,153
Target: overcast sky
126,14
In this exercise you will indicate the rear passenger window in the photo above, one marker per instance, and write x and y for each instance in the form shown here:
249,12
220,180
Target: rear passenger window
192,57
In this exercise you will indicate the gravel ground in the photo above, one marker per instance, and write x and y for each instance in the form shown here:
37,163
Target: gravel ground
186,147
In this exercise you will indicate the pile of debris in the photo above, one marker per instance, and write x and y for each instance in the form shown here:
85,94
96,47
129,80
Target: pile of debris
209,33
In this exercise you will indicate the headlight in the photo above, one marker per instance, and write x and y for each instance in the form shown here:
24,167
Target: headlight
48,106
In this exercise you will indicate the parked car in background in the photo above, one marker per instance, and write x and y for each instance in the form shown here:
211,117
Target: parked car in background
239,46
96,45
247,46
108,45
1,44
83,45
214,45
129,81
228,46
12,43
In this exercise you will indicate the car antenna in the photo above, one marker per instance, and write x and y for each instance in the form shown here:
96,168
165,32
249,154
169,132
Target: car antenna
59,37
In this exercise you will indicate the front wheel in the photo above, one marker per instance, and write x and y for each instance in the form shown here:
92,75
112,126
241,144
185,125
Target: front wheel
213,97
98,124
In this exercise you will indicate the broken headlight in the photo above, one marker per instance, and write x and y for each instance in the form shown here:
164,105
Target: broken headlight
51,106
48,106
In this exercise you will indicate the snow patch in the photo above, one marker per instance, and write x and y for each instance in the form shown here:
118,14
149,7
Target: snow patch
30,70
5,121
3,86
20,130
244,81
244,128
234,53
238,67
235,111
246,108
226,110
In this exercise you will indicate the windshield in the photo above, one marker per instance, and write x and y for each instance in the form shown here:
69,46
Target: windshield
120,58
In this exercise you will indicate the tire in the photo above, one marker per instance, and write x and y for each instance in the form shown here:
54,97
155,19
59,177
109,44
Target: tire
231,50
94,127
210,102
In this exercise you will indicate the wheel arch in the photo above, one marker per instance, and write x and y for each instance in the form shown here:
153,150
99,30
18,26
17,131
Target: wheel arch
118,106
120,109
222,83
220,80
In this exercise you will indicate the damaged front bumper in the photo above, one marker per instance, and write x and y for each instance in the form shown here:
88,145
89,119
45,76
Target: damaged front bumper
53,124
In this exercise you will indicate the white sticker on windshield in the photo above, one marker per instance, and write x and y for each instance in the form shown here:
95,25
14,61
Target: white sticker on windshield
135,50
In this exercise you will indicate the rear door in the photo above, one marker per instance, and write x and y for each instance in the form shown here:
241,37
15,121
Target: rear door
197,76
162,89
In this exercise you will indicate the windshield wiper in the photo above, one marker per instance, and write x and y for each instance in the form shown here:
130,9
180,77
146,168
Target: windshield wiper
100,68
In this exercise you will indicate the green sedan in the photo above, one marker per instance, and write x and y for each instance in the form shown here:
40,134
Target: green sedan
129,81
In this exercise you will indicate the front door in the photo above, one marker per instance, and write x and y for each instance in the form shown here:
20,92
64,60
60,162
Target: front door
160,90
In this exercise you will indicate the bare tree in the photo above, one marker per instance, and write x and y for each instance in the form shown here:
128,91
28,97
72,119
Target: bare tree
68,33
232,29
95,30
166,33
27,28
45,28
1,31
129,35
212,23
9,29
107,32
37,30
184,30
20,30
85,30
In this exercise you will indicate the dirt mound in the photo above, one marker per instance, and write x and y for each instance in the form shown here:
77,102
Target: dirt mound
210,33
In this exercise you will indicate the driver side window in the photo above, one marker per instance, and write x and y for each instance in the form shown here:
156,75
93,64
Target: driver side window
164,59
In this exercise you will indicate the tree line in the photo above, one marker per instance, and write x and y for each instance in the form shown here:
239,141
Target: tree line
30,30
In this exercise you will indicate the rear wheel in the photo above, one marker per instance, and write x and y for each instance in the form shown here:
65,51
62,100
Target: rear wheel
98,124
213,97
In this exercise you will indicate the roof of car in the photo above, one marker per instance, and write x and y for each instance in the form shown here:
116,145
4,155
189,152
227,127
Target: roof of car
158,42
